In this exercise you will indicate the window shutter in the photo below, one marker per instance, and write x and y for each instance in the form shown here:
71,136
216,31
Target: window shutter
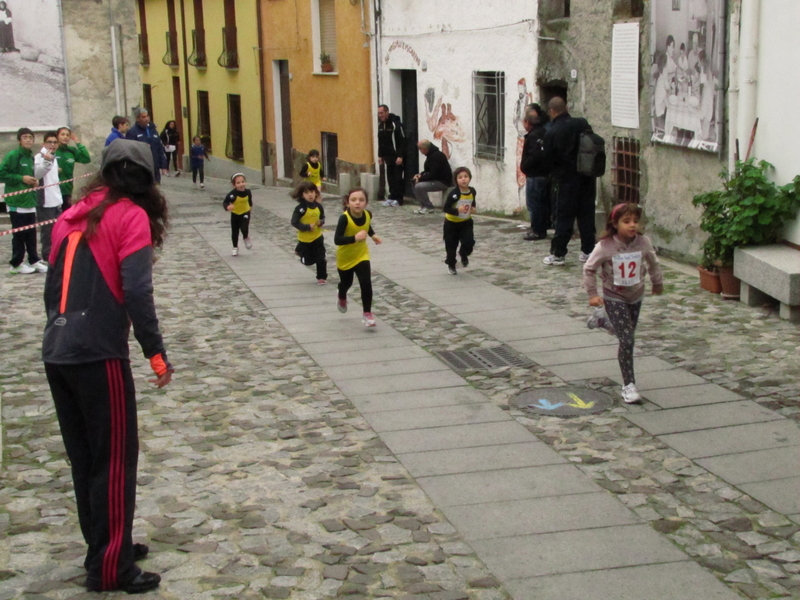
327,30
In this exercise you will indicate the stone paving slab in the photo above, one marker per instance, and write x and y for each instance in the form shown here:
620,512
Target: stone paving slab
361,343
438,416
660,379
734,440
512,334
372,369
566,342
376,356
481,458
509,484
356,330
703,417
667,581
759,465
782,495
575,551
536,316
459,436
539,515
574,355
610,368
462,394
691,395
399,383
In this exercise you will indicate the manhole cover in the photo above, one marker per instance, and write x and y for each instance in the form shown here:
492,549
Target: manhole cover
483,359
564,402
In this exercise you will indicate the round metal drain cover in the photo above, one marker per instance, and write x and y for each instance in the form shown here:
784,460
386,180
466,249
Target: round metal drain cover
564,401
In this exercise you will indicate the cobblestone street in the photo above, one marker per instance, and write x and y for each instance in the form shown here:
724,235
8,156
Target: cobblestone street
295,455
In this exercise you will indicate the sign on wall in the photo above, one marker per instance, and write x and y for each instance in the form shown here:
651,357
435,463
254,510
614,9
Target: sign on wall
687,52
625,76
33,90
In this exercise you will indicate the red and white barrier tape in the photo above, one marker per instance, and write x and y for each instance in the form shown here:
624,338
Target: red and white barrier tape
26,227
41,187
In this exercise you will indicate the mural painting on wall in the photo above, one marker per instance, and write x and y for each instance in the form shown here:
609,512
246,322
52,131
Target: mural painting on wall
524,97
34,91
445,127
687,51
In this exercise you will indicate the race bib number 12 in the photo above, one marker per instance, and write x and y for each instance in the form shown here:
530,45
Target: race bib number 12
627,268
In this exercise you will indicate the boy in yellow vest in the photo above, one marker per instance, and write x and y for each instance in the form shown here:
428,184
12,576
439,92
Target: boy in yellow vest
312,170
308,218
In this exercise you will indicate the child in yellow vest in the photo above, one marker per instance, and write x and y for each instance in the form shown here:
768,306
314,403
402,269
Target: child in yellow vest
352,254
458,227
312,170
308,218
239,202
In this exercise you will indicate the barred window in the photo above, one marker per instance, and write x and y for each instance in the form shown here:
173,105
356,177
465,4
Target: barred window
234,149
625,169
330,152
489,99
204,119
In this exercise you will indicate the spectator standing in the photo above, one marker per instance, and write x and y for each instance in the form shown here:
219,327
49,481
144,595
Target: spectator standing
17,172
119,127
144,131
49,203
436,176
534,166
67,157
391,152
574,194
170,137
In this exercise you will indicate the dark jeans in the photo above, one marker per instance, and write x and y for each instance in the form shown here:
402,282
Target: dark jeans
45,231
240,223
394,179
537,200
422,188
624,318
364,273
174,157
195,171
455,234
96,407
575,199
313,253
23,241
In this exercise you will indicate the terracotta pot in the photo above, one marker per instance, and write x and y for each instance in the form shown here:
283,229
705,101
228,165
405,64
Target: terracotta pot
327,68
709,280
731,285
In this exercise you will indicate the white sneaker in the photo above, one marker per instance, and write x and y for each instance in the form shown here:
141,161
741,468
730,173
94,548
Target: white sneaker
583,257
248,243
235,252
387,203
40,267
369,320
419,211
394,203
553,260
23,269
630,394
202,185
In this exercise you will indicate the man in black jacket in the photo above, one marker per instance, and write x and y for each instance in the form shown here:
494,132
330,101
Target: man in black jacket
533,165
574,193
436,176
391,151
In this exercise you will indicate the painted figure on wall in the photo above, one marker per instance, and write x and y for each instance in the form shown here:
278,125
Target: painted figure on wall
443,124
6,30
523,99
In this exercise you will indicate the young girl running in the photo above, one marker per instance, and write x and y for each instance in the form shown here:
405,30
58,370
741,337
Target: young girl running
308,218
352,255
458,226
239,202
623,257
197,153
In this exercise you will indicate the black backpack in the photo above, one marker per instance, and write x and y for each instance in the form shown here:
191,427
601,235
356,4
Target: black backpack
591,154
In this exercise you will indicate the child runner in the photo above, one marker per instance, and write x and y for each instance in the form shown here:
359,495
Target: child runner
67,157
312,170
458,226
352,255
308,218
197,152
623,256
239,202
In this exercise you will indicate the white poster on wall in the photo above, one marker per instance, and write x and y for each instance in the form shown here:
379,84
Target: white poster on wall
625,76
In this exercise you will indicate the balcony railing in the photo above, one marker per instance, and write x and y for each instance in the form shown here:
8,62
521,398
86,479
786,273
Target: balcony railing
198,56
171,57
144,51
229,57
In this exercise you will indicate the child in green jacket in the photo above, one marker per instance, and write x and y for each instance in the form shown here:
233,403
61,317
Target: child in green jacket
67,157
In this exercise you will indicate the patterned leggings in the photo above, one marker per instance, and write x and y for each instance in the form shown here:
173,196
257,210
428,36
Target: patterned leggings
624,317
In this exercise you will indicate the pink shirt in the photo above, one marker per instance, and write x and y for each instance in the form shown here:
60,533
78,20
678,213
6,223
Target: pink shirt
603,258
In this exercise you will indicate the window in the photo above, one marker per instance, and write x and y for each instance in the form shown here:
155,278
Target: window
626,9
171,56
324,32
489,98
234,149
147,100
198,56
144,46
204,120
625,169
230,54
330,151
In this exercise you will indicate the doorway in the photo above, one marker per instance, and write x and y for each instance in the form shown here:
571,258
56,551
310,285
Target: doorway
408,103
178,109
283,117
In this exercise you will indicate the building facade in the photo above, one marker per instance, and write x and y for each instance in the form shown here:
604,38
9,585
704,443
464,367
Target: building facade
200,66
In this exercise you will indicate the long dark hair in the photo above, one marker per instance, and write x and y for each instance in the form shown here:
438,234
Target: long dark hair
619,211
305,186
346,197
125,179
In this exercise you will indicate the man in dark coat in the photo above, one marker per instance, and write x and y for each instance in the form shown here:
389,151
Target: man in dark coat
145,131
437,176
534,167
391,152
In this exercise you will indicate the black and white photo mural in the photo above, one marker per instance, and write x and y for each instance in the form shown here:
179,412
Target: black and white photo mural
33,90
686,73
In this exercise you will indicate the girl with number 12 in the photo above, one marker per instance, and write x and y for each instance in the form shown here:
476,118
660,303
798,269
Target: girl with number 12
623,256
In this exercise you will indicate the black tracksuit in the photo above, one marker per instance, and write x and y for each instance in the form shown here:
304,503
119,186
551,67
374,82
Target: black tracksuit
457,232
391,146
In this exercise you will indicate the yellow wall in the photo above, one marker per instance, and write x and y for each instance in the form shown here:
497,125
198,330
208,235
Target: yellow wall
341,103
216,80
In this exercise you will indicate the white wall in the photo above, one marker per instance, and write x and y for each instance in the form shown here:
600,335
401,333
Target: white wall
495,35
779,94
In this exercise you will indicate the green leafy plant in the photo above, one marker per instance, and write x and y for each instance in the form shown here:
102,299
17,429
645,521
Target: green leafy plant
325,59
748,210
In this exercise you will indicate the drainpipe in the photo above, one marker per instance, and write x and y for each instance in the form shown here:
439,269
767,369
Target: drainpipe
66,66
186,138
262,85
114,62
733,79
375,67
748,71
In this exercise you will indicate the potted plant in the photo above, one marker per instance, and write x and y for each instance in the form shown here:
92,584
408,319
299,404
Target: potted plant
748,210
325,62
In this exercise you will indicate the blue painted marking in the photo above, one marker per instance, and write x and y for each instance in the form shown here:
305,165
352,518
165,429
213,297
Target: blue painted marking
546,405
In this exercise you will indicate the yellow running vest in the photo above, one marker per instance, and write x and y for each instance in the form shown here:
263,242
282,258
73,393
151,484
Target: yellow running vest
349,255
310,217
313,173
241,205
463,199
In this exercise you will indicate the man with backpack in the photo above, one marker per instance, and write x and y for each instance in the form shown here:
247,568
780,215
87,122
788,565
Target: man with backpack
574,190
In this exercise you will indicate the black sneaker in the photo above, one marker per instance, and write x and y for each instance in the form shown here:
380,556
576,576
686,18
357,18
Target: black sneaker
464,261
452,270
534,237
